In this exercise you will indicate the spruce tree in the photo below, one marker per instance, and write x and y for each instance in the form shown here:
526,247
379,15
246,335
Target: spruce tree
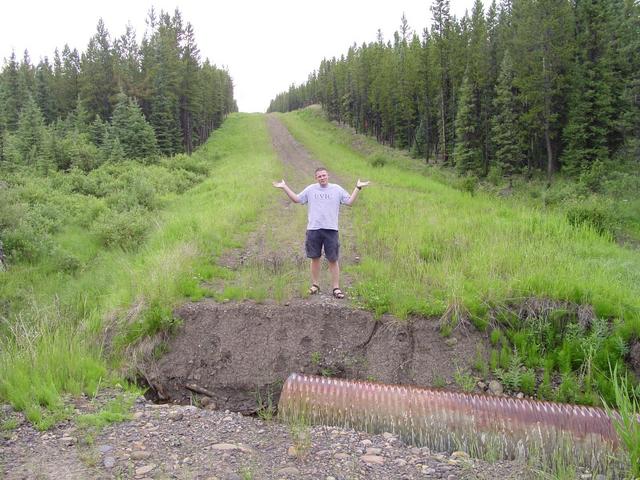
467,153
31,132
129,127
591,113
505,130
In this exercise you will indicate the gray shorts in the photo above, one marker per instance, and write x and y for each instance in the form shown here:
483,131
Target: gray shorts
316,239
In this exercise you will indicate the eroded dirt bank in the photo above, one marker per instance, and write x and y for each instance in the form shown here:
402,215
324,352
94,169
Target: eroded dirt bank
238,353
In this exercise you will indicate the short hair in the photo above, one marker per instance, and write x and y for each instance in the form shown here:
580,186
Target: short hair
319,169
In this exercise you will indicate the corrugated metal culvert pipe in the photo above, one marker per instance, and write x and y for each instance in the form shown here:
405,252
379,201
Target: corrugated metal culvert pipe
483,426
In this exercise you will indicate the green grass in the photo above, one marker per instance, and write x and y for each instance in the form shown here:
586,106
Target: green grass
57,322
430,249
475,250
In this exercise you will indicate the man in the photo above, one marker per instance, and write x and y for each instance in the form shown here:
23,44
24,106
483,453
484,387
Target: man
324,201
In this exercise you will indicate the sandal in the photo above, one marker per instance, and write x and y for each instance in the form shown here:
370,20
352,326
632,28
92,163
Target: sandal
313,289
337,293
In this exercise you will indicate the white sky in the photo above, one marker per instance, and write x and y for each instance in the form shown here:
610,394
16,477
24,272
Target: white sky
265,44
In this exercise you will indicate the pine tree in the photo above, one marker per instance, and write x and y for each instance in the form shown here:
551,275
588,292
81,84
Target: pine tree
129,127
31,132
97,80
14,93
505,131
467,153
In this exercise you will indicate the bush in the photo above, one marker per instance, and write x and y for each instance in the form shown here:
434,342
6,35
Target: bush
377,160
125,229
594,215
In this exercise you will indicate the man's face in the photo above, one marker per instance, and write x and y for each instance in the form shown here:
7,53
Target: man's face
322,177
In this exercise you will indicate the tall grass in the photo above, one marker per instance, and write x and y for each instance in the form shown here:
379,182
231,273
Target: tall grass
467,256
428,246
52,339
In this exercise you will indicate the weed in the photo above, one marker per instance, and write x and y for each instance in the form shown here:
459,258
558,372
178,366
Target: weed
465,381
627,419
266,409
439,382
300,431
316,358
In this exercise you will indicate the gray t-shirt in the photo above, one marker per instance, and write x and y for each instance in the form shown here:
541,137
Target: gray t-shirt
324,205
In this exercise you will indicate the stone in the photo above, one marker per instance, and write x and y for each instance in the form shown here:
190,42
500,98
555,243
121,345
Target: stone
459,455
389,437
366,442
175,415
451,342
225,446
204,401
145,469
373,451
495,387
520,395
68,441
341,456
104,448
140,455
401,462
108,462
372,459
289,471
482,386
292,451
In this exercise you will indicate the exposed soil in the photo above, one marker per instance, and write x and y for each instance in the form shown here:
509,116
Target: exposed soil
242,352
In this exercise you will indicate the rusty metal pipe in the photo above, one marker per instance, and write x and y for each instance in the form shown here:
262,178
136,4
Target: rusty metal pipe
482,425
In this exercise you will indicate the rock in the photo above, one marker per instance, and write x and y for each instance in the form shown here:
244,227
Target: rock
145,469
372,459
401,462
138,415
104,448
495,388
204,401
451,341
292,451
289,471
68,441
175,415
108,462
373,451
459,455
520,395
366,442
482,386
341,456
227,447
140,455
389,437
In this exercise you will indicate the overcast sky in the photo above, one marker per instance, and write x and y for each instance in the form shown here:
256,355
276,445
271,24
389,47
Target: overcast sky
265,44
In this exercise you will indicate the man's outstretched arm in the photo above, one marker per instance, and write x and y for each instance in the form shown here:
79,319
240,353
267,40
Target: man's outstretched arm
290,193
354,194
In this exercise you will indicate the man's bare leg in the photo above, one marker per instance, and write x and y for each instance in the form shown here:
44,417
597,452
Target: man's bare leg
315,271
334,268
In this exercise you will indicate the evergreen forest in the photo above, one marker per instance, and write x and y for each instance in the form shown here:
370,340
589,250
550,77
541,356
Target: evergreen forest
118,99
531,87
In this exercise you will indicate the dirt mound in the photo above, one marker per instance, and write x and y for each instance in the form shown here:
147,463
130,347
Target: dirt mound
239,354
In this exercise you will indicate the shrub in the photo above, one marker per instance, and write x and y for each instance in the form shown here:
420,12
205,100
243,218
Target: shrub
594,215
126,229
377,160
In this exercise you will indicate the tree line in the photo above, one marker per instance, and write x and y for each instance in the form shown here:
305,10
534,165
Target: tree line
118,99
529,85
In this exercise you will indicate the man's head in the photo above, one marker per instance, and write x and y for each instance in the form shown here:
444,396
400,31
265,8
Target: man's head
322,177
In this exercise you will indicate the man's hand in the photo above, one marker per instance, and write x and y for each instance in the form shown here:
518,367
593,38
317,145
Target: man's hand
361,184
280,184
